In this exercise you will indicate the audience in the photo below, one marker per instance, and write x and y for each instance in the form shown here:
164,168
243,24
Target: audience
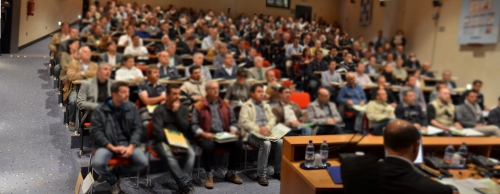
163,45
58,38
290,114
174,116
409,111
194,86
441,112
410,86
257,71
324,115
371,65
476,87
135,48
249,60
218,60
208,42
198,61
382,85
379,113
210,116
228,69
447,80
175,60
69,55
166,69
314,66
434,94
111,56
129,71
95,91
116,132
470,115
399,71
333,56
425,72
352,94
95,37
272,87
494,115
238,92
126,39
414,64
348,64
362,78
190,47
331,76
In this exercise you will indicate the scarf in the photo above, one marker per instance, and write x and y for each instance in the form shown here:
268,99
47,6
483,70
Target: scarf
475,108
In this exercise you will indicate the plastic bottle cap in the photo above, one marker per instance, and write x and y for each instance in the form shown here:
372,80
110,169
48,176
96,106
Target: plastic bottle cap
360,153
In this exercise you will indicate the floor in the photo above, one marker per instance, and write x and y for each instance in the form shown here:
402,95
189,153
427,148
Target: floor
35,154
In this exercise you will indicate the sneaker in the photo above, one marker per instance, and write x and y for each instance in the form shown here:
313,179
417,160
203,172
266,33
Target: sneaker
71,126
262,181
209,182
233,179
115,189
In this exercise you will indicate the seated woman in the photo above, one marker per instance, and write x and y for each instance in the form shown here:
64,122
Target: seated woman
306,55
129,71
238,92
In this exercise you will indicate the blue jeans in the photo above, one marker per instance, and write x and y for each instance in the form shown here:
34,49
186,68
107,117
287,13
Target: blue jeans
180,169
265,147
304,131
57,70
138,161
72,106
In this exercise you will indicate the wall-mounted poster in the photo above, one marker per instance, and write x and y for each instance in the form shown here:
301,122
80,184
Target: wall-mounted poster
479,22
278,3
365,13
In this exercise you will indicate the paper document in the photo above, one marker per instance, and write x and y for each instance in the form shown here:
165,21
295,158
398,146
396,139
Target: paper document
224,137
277,132
431,130
485,113
469,185
465,132
176,138
151,108
359,108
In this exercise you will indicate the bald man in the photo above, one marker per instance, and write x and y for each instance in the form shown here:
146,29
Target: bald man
379,113
352,94
257,72
447,79
441,112
426,72
324,115
166,70
397,173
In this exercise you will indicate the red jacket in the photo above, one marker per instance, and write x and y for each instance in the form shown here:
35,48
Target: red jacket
205,117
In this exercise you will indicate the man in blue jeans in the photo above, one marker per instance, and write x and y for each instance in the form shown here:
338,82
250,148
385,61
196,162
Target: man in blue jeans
116,131
352,94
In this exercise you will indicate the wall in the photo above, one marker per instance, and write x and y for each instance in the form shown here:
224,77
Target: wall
328,9
432,40
47,15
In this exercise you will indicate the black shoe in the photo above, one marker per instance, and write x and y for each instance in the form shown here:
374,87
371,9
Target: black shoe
187,189
277,176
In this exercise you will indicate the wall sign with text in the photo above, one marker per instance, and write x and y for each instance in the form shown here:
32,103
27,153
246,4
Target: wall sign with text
479,22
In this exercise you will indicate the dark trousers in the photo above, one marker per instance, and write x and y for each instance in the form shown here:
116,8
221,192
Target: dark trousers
208,149
379,127
329,130
180,167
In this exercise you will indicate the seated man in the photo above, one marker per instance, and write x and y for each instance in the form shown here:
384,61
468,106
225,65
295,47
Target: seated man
409,111
210,116
194,87
166,70
447,79
218,60
163,45
241,51
381,85
413,63
142,30
333,56
476,87
111,57
426,72
99,85
348,64
208,42
371,65
129,71
441,112
175,60
121,140
77,70
353,94
397,174
470,115
329,76
315,65
174,116
58,38
228,69
434,94
290,114
249,60
190,47
379,113
317,47
257,72
136,48
494,115
96,36
324,115
151,92
419,95
361,77
198,61
256,121
399,71
126,39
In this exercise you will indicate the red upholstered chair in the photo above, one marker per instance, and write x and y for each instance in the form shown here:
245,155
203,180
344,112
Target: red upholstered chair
266,63
277,73
301,98
114,161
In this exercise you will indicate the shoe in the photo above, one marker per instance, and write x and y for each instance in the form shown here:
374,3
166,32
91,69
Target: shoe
100,179
187,189
209,182
115,189
71,126
233,179
277,176
262,181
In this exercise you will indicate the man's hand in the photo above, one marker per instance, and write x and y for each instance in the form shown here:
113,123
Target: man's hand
120,150
207,135
486,108
128,151
241,57
394,105
138,77
361,103
424,129
417,125
233,132
350,103
296,123
264,131
198,98
330,121
479,125
175,106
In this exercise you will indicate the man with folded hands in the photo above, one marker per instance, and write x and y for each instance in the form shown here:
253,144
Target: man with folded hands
324,115
210,116
290,114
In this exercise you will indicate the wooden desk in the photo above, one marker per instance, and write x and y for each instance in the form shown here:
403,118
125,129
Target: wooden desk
296,180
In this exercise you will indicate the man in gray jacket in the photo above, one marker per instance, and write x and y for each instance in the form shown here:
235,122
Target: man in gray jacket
324,115
120,138
469,115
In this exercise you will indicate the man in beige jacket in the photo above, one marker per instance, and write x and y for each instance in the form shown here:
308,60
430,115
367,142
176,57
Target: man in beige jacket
256,121
379,113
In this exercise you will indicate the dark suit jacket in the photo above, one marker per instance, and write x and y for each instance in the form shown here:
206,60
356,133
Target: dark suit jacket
398,176
186,51
412,65
238,53
494,116
159,47
248,62
329,58
104,58
220,72
171,34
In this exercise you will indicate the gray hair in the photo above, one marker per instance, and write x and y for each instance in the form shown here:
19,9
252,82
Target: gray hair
83,47
101,65
207,85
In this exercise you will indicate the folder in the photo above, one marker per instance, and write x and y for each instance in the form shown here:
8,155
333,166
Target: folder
334,172
151,108
176,138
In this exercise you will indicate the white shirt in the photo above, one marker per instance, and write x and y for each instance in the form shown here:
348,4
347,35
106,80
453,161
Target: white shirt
126,74
363,79
289,114
112,59
124,38
229,70
64,37
207,42
130,50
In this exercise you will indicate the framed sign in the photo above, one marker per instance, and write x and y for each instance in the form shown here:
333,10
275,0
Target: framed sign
365,13
479,22
278,3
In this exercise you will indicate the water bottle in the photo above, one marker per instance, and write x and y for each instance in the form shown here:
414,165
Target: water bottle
462,150
324,152
309,154
448,154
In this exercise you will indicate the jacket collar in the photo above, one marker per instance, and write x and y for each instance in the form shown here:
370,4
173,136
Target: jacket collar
106,107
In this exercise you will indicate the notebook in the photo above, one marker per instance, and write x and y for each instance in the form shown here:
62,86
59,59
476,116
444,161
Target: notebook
225,137
176,138
151,108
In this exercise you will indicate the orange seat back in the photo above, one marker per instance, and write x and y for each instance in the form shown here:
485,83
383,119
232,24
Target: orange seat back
301,98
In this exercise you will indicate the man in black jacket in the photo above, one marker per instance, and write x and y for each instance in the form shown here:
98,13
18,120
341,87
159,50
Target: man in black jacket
494,115
116,130
174,116
397,173
315,65
408,111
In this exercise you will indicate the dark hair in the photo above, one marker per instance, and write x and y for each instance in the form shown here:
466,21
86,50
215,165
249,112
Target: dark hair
283,88
402,136
70,41
115,87
109,43
439,83
241,72
193,68
405,92
127,57
253,88
471,91
318,51
135,35
477,82
151,68
143,23
189,38
171,87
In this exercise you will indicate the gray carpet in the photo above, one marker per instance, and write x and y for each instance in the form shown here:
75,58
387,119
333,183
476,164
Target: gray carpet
35,154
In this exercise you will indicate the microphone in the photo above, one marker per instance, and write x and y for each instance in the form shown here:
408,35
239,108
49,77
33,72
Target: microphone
350,140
